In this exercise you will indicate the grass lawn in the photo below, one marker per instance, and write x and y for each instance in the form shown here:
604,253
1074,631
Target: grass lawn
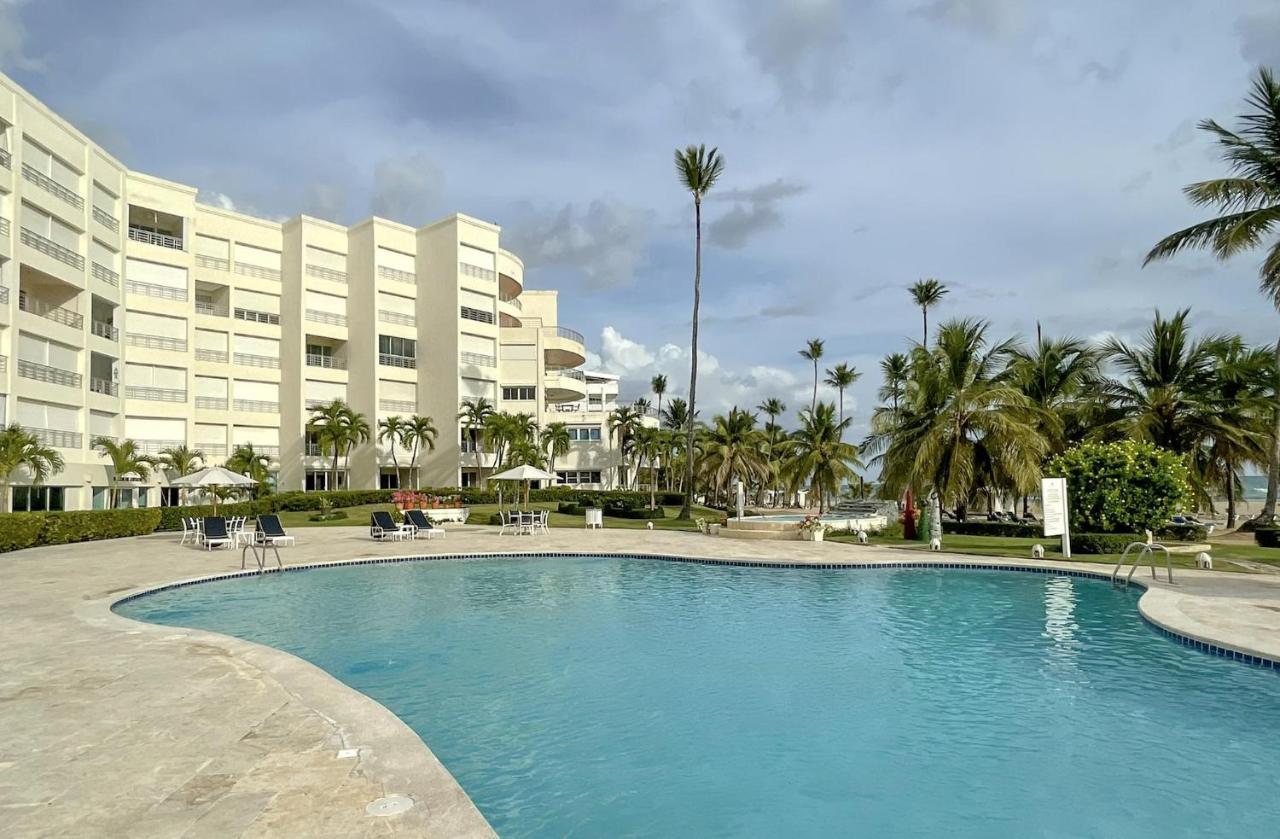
480,513
1013,546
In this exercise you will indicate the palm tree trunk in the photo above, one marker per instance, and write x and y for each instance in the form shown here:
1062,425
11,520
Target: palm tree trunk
924,311
1273,467
337,448
813,403
686,509
653,492
1231,495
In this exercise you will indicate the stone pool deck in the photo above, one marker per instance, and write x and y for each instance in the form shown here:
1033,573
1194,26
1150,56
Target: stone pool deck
115,728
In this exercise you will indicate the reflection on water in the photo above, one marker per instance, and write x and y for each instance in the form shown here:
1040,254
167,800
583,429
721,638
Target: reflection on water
1060,614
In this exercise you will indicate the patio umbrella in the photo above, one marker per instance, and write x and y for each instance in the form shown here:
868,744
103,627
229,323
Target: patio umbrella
524,473
213,476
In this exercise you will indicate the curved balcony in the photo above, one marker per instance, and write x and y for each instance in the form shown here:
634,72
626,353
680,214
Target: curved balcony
510,311
564,386
510,275
563,347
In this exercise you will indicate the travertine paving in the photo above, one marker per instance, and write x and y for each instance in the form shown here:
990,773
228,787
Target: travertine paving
115,728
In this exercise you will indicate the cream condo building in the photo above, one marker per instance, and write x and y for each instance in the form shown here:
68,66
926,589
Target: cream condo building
129,310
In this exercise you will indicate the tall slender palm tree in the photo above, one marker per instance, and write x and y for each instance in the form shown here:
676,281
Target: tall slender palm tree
1059,377
126,458
698,171
676,418
555,441
1248,203
420,432
622,423
773,408
21,448
474,414
1243,381
392,430
817,455
658,384
181,460
648,444
356,432
840,377
927,292
328,423
895,368
813,351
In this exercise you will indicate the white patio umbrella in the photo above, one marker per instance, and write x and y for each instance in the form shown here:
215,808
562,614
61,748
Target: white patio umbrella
213,476
524,473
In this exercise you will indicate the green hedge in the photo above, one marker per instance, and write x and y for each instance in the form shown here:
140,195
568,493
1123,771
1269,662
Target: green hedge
991,528
171,517
26,530
1103,543
641,513
1267,537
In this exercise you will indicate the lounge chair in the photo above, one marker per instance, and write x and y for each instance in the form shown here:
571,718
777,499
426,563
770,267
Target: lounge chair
382,526
215,532
269,531
190,530
424,525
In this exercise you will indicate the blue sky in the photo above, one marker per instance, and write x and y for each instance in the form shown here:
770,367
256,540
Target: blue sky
1025,153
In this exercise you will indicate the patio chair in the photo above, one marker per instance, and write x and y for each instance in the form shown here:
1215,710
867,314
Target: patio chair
508,520
423,524
540,522
382,526
270,532
190,530
215,532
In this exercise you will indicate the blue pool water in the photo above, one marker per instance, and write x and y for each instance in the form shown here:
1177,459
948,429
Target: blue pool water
614,697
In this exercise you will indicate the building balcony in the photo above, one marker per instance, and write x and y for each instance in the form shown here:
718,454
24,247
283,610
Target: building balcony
105,330
105,219
257,271
155,394
396,275
104,386
49,185
212,310
327,361
156,342
257,406
151,237
4,227
477,315
396,406
57,438
6,161
50,248
486,274
51,375
57,314
162,292
478,359
216,356
105,274
389,360
388,316
251,360
4,295
211,403
157,446
215,262
563,347
564,386
251,316
333,275
331,318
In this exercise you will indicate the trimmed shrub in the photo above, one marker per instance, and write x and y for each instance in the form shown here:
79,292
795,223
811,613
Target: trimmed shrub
1183,533
20,530
26,530
1267,537
1103,543
1123,487
991,528
171,517
635,514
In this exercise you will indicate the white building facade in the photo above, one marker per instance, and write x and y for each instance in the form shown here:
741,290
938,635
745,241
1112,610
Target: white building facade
130,310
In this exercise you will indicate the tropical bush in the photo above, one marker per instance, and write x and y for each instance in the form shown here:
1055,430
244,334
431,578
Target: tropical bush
1102,543
1123,487
990,528
1267,537
26,530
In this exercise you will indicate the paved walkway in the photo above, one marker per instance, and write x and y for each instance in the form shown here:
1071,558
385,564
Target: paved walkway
115,728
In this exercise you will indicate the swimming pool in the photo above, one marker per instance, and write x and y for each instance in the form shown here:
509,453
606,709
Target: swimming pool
606,696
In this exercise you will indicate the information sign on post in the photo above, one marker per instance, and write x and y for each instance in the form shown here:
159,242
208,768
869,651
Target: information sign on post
1053,498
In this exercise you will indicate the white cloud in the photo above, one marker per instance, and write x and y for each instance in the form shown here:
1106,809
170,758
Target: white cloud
13,36
407,189
994,18
605,240
754,210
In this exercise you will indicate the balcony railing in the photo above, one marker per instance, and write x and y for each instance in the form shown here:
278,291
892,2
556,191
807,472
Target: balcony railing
479,273
389,360
104,386
213,262
49,185
269,451
155,394
105,274
212,309
103,329
258,271
397,275
5,160
57,314
330,361
256,406
399,405
257,317
48,247
251,360
572,374
571,334
156,342
150,237
217,356
211,403
164,292
4,226
55,437
157,446
331,318
476,314
314,450
388,316
213,449
479,359
52,375
4,368
105,219
331,274
513,300
4,295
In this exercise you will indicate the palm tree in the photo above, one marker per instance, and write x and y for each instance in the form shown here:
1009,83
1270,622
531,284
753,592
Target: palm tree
1243,381
1057,375
392,430
927,292
181,460
421,432
555,441
698,171
328,423
961,426
356,432
895,368
732,450
622,423
126,458
817,455
1248,203
246,460
772,408
21,448
474,414
840,377
813,352
648,445
659,386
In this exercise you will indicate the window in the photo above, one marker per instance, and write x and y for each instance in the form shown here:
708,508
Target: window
470,479
579,477
584,433
318,481
38,499
320,349
171,497
521,393
388,480
397,346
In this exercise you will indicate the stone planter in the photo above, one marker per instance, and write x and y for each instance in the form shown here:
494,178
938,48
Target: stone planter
811,535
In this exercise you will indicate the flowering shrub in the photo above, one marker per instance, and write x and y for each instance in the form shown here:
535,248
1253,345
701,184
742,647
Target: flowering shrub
1124,487
811,524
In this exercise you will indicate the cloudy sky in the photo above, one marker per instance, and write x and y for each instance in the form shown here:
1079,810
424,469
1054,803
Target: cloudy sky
1026,153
